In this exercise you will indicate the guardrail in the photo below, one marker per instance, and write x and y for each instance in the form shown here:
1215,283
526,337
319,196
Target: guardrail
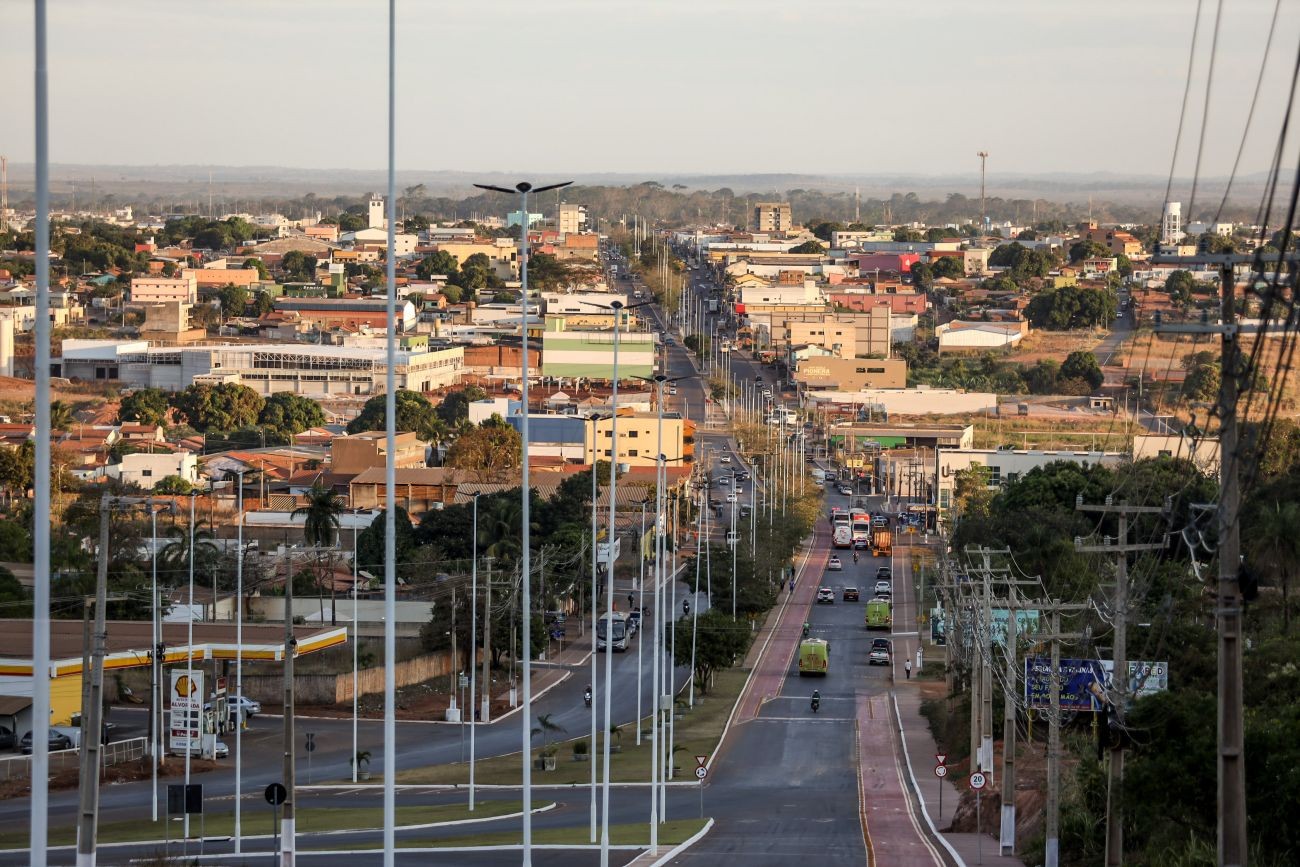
115,753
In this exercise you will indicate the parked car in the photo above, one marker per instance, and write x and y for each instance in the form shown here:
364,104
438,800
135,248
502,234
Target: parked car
850,594
825,596
834,564
58,741
884,589
8,740
220,750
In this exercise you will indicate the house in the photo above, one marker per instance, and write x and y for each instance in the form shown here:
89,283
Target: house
144,470
358,452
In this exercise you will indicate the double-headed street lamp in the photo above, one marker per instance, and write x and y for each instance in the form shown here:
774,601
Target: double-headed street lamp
523,188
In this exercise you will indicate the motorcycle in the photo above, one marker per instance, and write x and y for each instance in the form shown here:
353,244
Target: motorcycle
586,697
805,630
816,701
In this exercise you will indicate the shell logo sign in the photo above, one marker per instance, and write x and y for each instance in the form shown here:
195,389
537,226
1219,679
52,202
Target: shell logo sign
185,687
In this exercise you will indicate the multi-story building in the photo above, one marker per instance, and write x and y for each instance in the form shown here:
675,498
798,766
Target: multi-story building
572,219
851,374
351,313
1006,465
590,354
1117,241
153,289
216,278
1171,223
145,470
846,335
360,451
771,217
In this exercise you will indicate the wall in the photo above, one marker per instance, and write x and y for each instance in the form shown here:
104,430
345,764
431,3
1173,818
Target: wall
337,688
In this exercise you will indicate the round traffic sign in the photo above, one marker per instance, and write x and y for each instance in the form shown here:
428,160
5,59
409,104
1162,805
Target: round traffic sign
941,771
701,772
978,781
276,794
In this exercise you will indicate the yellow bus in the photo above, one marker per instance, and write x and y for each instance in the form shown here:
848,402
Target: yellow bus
814,656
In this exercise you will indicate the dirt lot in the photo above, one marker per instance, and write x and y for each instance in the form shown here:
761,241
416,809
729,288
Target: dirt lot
1055,344
123,773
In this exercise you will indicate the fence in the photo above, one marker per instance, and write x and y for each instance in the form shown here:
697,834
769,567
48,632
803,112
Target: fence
326,689
115,753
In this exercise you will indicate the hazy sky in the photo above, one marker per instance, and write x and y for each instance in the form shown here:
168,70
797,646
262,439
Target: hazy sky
718,86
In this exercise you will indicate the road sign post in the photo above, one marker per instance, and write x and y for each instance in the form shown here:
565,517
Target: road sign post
276,794
940,771
311,748
700,773
977,782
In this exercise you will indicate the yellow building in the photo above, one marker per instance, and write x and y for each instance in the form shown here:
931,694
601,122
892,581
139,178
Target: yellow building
638,439
502,253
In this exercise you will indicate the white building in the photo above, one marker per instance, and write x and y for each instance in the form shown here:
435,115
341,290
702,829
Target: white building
146,470
300,368
978,336
375,216
805,293
1007,465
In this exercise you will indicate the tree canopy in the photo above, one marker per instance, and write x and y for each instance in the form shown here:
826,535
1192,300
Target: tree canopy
414,413
226,406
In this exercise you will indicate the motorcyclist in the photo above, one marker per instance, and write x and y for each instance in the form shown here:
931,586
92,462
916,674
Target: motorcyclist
816,700
586,696
805,629
855,556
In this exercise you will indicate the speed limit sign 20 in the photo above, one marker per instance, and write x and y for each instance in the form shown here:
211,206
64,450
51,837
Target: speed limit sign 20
978,781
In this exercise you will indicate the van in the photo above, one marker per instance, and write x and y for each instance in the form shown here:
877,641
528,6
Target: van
814,656
819,475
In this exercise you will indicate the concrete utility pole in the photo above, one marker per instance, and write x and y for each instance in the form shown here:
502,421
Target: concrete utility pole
1053,819
1119,680
1232,851
91,712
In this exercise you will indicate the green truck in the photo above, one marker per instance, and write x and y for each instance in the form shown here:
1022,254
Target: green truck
880,614
814,656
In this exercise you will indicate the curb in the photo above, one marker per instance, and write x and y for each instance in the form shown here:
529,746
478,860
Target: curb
684,845
916,787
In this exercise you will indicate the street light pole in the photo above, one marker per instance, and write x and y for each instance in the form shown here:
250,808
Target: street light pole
239,669
473,643
525,566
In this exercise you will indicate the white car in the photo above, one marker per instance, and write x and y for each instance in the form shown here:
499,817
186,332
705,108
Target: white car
725,459
884,588
825,596
834,564
731,498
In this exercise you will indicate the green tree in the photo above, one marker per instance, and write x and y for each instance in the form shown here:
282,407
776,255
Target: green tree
825,229
438,262
1273,543
808,247
257,265
454,408
15,599
371,545
321,511
285,414
971,493
950,267
144,406
17,467
222,407
720,643
1083,365
414,413
15,543
174,485
923,276
1042,377
174,556
298,266
1203,376
491,451
60,416
546,273
233,299
1085,249
259,305
1180,285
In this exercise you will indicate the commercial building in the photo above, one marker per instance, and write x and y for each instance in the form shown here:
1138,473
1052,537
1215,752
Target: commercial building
590,354
771,217
638,439
299,368
847,335
217,278
154,289
957,336
851,374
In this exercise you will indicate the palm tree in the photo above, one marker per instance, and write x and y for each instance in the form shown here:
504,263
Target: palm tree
174,557
1273,540
499,531
322,510
547,728
60,416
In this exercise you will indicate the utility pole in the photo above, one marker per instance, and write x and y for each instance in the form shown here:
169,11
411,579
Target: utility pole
88,794
1119,679
1232,849
1053,819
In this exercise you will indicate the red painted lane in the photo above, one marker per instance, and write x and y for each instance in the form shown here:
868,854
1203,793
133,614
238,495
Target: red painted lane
774,662
893,835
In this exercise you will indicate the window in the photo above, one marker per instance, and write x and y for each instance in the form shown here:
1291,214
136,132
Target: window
995,475
146,473
632,453
632,434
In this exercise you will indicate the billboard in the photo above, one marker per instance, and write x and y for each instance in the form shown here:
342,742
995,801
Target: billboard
1026,625
1077,677
1082,679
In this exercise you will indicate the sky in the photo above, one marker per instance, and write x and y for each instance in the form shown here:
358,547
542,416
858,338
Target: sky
673,86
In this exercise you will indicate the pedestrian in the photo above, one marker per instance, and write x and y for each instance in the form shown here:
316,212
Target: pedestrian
792,586
907,667
630,598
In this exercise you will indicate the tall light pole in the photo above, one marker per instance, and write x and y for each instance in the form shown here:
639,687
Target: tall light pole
356,645
390,467
239,669
473,642
525,567
594,419
189,664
